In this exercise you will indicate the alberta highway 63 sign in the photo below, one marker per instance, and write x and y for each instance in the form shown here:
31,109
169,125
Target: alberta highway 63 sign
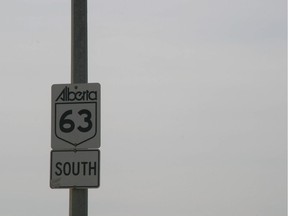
75,116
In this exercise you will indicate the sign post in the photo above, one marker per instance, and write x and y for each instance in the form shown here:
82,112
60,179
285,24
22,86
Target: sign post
75,131
78,202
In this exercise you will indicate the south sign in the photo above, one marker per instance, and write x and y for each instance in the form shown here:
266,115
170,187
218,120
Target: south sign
75,169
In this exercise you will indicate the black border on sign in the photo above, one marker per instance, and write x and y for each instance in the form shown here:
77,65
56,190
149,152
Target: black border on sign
79,186
96,123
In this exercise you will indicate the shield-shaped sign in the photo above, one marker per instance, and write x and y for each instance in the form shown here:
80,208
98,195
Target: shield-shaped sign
76,116
76,123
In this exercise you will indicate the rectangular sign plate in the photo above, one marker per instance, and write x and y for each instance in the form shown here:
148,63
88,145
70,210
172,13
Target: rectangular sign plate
75,169
75,116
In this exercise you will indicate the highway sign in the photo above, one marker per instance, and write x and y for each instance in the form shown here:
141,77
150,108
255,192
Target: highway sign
75,169
75,116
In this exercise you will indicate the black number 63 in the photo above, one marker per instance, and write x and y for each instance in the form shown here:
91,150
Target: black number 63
67,125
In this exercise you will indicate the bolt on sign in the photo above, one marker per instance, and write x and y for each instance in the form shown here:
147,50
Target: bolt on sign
75,116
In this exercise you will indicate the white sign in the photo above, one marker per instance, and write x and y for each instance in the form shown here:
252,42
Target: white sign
75,169
75,116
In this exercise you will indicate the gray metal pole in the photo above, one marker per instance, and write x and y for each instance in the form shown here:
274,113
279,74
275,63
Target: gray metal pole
78,202
79,56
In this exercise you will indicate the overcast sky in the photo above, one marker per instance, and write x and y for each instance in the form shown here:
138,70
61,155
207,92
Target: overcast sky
193,106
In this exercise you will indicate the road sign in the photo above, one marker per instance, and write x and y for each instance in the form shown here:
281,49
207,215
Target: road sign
75,169
75,116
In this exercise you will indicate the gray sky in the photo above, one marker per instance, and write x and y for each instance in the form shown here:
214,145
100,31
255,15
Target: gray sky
193,105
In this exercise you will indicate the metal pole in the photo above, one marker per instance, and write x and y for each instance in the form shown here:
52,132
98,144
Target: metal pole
79,56
78,202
